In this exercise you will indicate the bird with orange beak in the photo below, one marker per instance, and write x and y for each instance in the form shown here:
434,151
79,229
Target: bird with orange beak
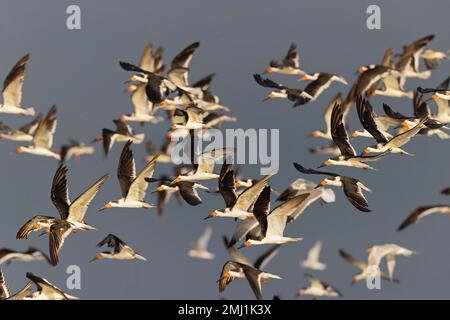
290,64
317,288
121,251
133,186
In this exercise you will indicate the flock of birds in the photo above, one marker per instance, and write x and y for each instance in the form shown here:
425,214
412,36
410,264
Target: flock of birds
192,109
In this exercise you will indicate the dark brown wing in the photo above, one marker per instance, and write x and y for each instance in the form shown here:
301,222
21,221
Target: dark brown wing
261,209
189,193
60,192
367,119
339,133
126,171
354,194
267,83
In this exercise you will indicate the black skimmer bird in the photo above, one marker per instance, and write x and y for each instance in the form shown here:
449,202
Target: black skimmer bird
200,249
273,223
363,267
295,95
233,269
289,65
239,206
186,189
433,58
378,125
46,290
179,67
250,228
260,262
300,186
12,90
24,133
320,82
150,61
8,256
5,293
75,149
352,188
317,288
388,251
43,137
423,212
312,259
71,213
408,62
326,134
121,251
133,186
143,108
191,118
348,155
370,78
203,164
395,144
123,133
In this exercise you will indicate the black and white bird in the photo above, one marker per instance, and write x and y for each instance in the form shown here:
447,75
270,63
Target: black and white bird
317,288
200,249
75,149
71,213
289,65
320,82
24,133
43,137
388,251
32,254
121,251
340,137
353,188
133,186
273,222
239,207
312,259
297,96
123,133
326,134
12,90
365,272
232,270
186,189
422,212
46,290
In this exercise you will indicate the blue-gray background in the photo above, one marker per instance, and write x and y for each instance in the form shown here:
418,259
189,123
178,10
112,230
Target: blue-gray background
78,70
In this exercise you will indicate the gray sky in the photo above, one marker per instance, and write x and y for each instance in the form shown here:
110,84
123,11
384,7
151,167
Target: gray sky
78,70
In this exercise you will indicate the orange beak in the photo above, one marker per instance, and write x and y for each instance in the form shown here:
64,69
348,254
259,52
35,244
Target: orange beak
122,119
247,243
213,214
19,150
1,136
315,133
160,188
98,256
164,103
356,279
177,179
324,183
366,150
304,78
369,250
327,163
169,136
173,127
131,88
269,70
133,78
434,97
108,206
361,70
354,134
237,184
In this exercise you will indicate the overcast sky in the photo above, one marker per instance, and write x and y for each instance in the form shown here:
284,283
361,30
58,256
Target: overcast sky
78,71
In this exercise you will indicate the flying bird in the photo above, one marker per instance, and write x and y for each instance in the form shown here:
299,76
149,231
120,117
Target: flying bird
121,251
